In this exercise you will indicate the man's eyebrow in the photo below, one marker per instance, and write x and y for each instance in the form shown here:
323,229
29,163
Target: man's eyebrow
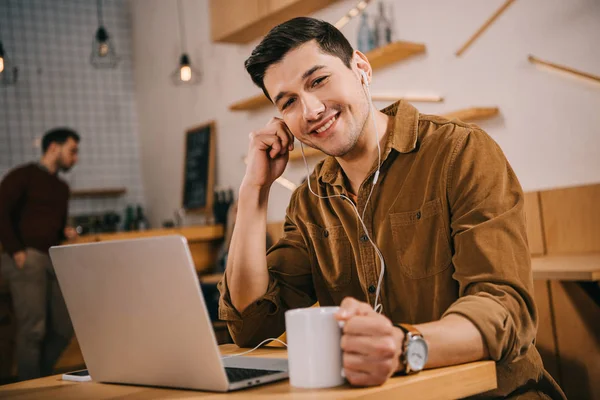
304,76
312,71
279,96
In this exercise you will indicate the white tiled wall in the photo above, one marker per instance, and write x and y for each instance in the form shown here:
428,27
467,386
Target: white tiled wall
50,41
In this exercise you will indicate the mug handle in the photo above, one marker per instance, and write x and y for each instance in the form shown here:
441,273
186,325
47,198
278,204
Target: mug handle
341,325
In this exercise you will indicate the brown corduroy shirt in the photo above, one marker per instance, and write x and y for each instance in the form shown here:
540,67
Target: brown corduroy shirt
448,217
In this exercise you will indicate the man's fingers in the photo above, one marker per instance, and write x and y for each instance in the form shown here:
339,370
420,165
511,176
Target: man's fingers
276,148
279,128
351,307
366,373
291,137
369,325
358,378
264,142
379,348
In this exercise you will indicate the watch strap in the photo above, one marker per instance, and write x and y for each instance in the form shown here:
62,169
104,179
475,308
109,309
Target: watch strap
407,328
409,331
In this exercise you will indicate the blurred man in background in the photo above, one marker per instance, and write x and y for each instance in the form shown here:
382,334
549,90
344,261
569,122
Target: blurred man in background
33,215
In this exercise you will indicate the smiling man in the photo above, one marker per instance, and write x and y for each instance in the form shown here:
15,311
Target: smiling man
437,198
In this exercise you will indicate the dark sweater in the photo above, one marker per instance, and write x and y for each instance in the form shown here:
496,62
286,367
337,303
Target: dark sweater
33,209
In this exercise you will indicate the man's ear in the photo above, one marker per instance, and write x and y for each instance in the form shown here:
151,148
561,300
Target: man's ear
52,148
361,63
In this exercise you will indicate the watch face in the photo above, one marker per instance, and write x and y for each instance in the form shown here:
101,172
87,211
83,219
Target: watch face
416,354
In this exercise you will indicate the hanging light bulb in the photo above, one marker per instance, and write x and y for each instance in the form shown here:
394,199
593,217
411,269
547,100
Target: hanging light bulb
1,58
8,72
103,50
185,74
103,47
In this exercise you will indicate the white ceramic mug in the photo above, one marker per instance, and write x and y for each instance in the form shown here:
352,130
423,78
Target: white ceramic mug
314,350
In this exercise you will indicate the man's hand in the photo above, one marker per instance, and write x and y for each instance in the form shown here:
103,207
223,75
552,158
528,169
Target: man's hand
268,154
371,345
20,258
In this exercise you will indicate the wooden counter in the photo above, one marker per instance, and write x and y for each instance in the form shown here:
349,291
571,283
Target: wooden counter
442,383
576,267
203,241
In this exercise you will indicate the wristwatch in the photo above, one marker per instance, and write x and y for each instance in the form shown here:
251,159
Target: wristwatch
414,349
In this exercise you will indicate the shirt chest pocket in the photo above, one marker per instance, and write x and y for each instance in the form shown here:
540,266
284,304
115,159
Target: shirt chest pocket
333,254
421,245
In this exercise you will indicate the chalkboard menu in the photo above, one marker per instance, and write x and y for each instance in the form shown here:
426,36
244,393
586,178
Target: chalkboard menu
198,168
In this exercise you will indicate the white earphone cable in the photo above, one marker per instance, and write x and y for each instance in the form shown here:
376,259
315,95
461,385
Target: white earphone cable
250,351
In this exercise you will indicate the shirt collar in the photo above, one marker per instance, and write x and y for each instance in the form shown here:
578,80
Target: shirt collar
402,136
44,168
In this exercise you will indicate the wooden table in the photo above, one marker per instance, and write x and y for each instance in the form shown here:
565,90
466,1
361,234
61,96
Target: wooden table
575,267
442,383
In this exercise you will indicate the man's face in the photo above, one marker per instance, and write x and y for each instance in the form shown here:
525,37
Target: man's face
320,99
67,155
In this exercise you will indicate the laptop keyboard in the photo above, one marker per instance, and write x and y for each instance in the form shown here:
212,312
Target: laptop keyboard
241,374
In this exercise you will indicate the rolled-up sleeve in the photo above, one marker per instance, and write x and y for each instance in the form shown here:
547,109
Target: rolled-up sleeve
290,286
491,255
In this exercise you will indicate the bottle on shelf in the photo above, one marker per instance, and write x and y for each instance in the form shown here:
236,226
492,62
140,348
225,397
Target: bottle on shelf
141,221
365,36
382,32
390,31
129,224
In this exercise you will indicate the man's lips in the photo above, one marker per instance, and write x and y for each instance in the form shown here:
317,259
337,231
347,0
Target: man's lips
325,124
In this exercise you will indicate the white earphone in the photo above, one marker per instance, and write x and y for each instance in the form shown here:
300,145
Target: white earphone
365,81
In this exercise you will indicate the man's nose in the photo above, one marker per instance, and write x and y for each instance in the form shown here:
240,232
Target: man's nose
313,107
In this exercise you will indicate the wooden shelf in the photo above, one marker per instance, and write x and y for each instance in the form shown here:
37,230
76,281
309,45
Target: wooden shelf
564,68
393,52
252,103
379,58
242,21
473,114
104,192
575,267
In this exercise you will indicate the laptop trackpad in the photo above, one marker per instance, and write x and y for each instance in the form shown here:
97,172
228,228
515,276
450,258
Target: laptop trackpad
269,364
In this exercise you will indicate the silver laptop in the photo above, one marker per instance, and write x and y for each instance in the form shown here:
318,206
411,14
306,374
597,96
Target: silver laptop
140,317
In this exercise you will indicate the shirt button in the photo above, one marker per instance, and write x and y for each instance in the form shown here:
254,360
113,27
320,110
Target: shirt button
326,233
418,214
364,238
372,289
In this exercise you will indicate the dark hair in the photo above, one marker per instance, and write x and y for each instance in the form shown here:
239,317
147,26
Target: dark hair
291,34
58,135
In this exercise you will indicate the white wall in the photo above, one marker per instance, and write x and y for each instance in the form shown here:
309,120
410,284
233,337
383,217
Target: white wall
548,127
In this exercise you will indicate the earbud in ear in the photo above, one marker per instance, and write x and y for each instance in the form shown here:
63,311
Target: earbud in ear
365,80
